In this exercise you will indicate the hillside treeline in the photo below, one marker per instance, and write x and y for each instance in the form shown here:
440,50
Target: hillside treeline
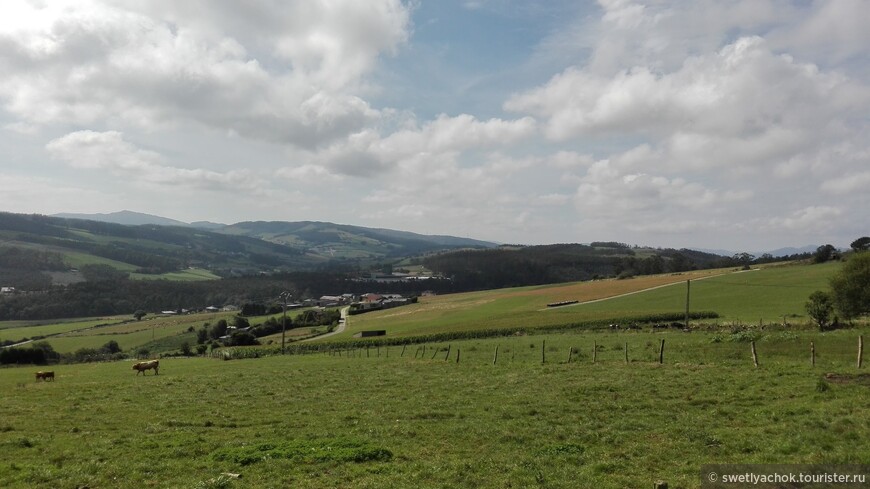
124,296
24,267
535,265
511,267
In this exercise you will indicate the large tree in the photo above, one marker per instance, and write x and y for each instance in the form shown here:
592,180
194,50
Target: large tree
825,253
850,287
861,244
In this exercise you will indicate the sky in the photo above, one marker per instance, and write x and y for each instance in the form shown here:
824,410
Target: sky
732,124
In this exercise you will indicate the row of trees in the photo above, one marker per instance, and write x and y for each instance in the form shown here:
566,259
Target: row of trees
42,353
241,332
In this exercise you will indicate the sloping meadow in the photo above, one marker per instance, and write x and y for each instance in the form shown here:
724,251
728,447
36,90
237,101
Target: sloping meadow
455,416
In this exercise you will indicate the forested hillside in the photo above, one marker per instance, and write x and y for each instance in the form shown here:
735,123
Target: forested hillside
534,265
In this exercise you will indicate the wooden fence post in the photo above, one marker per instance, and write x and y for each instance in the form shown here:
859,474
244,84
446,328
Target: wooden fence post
448,353
434,354
570,352
662,352
626,352
416,352
367,351
594,351
457,355
543,351
860,350
754,355
403,350
495,357
813,353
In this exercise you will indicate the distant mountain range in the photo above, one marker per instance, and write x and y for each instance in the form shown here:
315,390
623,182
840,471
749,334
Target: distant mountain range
130,218
331,239
323,240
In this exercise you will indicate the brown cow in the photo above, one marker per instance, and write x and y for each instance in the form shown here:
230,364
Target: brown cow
141,367
45,375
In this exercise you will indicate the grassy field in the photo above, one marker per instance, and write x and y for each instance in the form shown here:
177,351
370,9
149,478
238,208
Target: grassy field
155,333
764,294
69,336
76,259
384,420
187,275
17,333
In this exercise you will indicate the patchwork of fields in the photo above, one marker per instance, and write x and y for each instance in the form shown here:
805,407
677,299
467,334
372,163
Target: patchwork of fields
766,295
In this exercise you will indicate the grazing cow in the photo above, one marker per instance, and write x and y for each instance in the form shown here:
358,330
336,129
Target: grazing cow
141,367
45,375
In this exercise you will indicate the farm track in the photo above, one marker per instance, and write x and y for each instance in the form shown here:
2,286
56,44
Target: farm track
340,329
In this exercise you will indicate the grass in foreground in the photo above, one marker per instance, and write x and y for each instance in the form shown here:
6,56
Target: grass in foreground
377,421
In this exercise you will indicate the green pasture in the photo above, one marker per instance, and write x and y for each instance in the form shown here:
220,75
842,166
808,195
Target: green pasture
17,324
187,275
157,333
29,323
19,332
76,259
762,295
154,332
766,294
383,419
292,334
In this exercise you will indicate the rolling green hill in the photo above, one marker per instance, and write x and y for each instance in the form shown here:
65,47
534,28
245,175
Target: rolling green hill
328,241
148,250
187,253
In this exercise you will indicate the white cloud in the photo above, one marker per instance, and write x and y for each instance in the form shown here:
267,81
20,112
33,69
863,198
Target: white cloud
368,154
282,72
833,32
607,192
723,94
109,151
809,219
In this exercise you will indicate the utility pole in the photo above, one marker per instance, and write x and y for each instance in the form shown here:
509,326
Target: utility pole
688,286
284,295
